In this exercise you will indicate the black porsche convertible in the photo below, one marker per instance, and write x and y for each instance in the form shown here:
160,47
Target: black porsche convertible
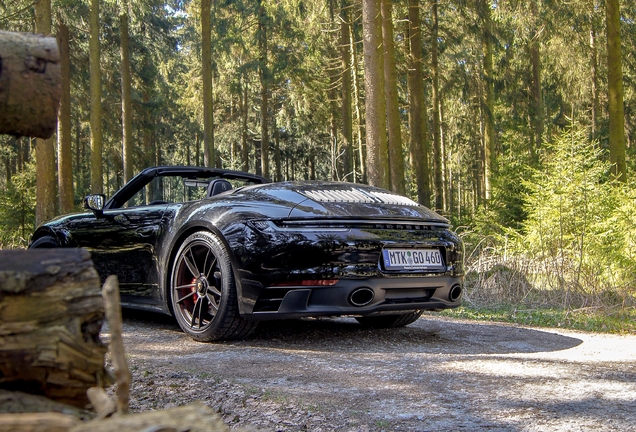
221,250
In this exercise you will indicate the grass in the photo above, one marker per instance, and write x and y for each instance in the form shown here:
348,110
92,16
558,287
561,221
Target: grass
546,291
382,424
599,319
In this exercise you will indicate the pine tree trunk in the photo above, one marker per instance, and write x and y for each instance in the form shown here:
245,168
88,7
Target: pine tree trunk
377,146
418,139
197,148
79,158
97,181
615,84
346,90
65,156
537,96
146,131
336,171
264,78
46,194
478,149
488,99
277,164
594,84
7,170
437,146
396,158
446,178
206,72
357,106
126,102
244,147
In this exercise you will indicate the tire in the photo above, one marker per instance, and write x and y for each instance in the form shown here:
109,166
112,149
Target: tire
389,321
203,291
44,242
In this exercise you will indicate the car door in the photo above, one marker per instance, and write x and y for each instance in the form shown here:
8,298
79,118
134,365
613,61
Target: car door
122,242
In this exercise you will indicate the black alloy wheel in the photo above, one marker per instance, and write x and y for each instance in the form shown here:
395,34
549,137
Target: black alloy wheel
44,242
203,291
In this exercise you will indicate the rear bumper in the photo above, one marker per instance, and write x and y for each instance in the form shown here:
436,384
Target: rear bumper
358,297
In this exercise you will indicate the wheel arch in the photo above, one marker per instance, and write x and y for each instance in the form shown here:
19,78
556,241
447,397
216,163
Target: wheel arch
60,237
176,243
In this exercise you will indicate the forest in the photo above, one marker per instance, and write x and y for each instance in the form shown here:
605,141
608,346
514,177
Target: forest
515,119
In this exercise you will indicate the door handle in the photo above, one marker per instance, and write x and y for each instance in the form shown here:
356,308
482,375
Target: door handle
145,231
121,219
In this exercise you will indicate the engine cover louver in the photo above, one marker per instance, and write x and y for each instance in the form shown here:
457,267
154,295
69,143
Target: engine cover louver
355,195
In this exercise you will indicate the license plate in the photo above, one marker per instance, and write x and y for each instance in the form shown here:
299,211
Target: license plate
412,259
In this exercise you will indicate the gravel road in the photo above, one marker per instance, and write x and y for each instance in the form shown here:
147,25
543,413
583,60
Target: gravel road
438,374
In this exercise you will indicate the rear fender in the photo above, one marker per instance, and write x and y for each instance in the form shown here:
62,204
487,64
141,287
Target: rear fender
168,260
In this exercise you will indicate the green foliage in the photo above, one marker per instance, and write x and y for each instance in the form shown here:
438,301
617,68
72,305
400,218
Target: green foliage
579,220
17,214
575,248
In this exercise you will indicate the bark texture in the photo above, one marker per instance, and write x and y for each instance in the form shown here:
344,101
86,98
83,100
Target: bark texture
206,70
195,417
30,84
396,158
437,144
346,91
46,195
37,422
64,151
97,181
537,95
488,101
51,313
245,151
126,99
263,73
14,402
418,139
377,148
112,303
615,83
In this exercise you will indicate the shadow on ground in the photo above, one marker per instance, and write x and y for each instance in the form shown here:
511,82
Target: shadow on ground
427,335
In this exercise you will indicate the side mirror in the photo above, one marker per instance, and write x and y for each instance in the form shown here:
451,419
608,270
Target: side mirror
95,203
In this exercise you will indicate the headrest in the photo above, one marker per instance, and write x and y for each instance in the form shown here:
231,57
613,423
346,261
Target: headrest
217,186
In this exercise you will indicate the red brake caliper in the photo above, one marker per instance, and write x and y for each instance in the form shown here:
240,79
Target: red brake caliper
195,297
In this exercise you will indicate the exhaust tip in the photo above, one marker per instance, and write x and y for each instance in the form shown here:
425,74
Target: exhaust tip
455,293
361,297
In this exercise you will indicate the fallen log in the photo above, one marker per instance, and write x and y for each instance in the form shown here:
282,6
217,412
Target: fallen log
37,422
30,84
51,313
195,417
15,402
54,295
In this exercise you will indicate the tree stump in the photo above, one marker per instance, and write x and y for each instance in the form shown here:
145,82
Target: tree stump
30,84
51,313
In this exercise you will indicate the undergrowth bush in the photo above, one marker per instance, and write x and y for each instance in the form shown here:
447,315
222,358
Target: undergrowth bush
575,249
17,209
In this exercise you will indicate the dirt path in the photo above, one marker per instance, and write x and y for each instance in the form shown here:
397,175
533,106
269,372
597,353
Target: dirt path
437,374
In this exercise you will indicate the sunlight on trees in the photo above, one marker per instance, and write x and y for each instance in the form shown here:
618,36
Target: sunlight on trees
481,101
